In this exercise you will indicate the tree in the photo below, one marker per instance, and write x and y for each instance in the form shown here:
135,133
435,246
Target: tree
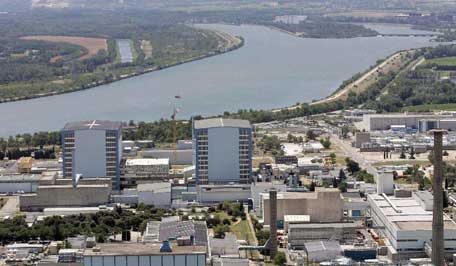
312,186
280,259
343,186
344,131
334,182
342,175
352,166
310,135
333,158
325,142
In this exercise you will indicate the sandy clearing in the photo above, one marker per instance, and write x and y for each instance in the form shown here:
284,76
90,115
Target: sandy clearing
93,45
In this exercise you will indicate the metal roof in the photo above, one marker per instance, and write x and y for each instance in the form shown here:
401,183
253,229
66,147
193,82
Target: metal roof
196,229
93,125
221,122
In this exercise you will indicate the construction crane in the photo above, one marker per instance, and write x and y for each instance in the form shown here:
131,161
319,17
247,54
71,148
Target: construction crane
176,109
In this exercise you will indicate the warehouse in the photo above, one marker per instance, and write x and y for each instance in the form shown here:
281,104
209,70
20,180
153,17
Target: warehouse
300,234
374,122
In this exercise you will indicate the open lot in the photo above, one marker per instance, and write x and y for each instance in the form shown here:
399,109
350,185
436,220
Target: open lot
92,45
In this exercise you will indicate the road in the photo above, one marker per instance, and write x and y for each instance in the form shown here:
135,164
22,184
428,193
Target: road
11,207
354,155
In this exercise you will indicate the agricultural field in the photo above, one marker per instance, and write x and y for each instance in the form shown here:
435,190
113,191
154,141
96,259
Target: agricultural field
443,61
91,45
431,107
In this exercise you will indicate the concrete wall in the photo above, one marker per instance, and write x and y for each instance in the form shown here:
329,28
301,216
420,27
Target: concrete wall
90,153
66,196
147,260
158,199
321,206
223,159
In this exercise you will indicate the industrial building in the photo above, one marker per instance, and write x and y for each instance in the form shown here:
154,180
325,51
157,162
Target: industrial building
155,194
372,122
222,151
92,149
322,205
19,183
407,223
301,233
185,233
68,193
135,254
138,171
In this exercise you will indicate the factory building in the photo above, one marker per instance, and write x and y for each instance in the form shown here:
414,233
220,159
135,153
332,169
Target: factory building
135,254
407,223
372,122
139,171
155,194
92,149
323,205
222,151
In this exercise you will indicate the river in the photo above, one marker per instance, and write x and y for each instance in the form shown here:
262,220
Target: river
272,70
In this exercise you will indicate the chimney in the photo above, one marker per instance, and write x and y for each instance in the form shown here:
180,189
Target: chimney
437,214
273,223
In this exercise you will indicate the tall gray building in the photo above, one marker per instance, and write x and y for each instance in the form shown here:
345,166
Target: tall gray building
92,149
222,151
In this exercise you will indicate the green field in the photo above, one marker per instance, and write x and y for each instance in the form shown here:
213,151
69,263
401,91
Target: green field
431,107
443,61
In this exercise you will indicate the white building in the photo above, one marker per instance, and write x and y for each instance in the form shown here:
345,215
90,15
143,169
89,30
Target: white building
146,170
156,194
222,150
372,122
407,223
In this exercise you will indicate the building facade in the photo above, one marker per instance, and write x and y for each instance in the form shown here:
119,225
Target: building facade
146,170
92,149
222,151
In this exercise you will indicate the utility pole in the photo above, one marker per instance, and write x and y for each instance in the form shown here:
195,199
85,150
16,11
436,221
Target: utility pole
438,258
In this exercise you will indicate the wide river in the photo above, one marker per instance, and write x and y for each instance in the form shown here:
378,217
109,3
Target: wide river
272,70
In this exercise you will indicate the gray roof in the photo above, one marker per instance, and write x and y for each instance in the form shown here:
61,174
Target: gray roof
93,125
196,229
18,178
222,122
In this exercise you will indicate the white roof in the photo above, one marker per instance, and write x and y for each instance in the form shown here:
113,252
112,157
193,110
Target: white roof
161,161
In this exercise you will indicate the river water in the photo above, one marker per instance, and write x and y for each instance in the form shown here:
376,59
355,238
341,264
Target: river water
272,70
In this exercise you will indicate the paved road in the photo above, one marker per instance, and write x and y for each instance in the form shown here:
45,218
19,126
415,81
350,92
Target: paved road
11,207
354,155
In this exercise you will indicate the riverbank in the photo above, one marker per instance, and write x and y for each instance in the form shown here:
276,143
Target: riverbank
231,43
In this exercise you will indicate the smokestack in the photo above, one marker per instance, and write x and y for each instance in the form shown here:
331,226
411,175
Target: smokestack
273,223
437,214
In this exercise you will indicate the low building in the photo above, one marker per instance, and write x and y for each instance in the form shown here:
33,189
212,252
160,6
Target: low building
318,251
322,205
138,171
134,254
96,192
25,183
300,234
176,157
24,165
407,223
186,233
211,194
156,194
362,138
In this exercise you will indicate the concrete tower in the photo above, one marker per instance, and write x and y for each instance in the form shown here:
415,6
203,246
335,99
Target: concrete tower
437,217
273,223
